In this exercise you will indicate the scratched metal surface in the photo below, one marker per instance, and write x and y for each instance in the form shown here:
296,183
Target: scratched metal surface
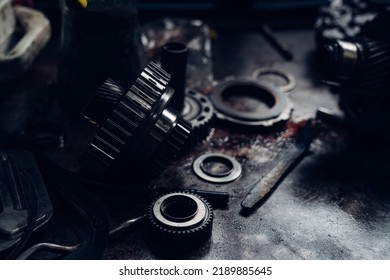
334,205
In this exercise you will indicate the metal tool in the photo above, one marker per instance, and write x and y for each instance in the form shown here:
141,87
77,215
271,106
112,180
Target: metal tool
262,187
126,224
48,247
280,47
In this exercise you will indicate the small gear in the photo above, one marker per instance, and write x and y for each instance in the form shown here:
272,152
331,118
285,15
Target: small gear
179,222
139,129
199,112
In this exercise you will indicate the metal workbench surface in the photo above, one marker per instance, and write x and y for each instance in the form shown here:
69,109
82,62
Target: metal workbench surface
333,205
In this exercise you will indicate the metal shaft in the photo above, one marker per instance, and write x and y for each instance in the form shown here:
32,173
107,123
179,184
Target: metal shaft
174,61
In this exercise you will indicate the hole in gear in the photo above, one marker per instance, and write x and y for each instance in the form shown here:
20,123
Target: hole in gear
179,208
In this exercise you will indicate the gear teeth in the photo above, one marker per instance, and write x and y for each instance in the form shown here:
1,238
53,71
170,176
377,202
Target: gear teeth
170,148
176,242
135,121
100,106
377,68
199,112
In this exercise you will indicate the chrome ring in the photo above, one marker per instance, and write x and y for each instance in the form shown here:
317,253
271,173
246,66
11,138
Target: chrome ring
226,177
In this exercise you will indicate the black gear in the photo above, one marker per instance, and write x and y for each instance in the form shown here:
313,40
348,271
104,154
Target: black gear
139,129
179,222
199,112
101,104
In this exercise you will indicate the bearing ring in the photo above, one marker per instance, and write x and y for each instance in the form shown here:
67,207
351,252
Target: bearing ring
179,210
279,110
291,84
234,171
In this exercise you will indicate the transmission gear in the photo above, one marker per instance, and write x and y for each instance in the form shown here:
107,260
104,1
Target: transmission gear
101,104
140,134
179,222
198,111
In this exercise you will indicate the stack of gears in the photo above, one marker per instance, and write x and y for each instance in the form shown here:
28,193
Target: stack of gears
138,132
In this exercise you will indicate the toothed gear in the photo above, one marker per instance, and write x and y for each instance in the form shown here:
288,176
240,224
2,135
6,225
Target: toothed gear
180,222
137,129
375,61
170,147
101,104
198,111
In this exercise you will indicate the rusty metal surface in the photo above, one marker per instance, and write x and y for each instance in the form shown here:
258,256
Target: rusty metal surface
333,205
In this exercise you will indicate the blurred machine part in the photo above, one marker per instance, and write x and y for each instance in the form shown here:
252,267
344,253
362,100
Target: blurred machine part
343,19
95,44
195,35
356,59
23,34
141,134
24,202
363,62
8,20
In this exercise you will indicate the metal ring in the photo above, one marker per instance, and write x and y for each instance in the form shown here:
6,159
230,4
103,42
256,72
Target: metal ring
215,174
291,83
171,210
279,110
232,174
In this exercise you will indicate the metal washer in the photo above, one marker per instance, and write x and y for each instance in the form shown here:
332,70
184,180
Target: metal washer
197,217
291,84
227,177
